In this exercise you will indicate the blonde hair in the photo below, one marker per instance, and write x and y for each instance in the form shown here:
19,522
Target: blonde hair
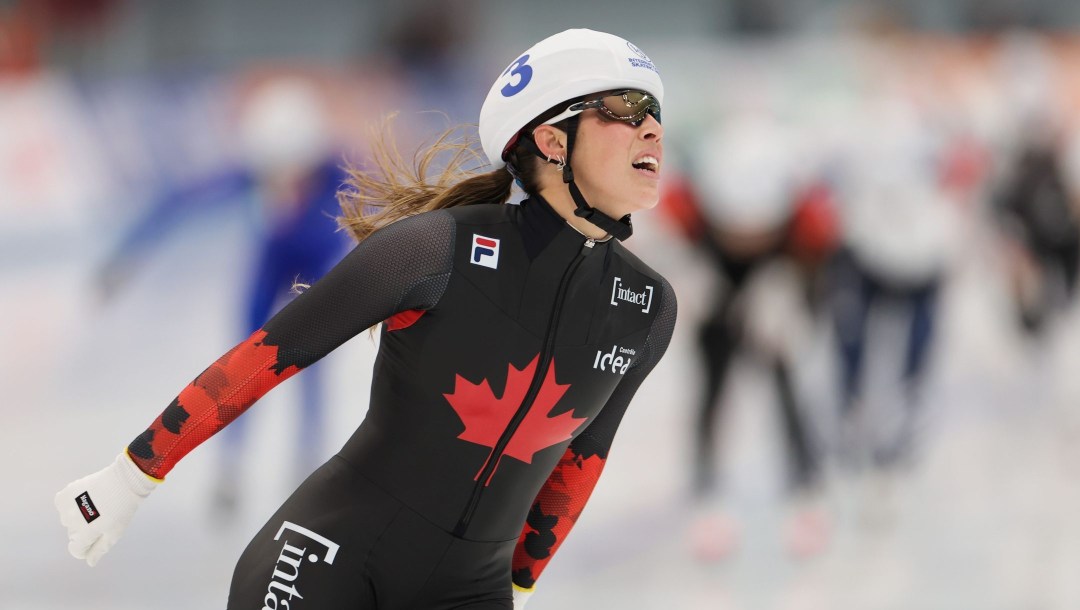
389,188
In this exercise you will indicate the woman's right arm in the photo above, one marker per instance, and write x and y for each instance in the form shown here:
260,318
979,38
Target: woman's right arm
403,266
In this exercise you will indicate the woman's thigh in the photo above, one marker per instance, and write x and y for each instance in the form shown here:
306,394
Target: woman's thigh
313,552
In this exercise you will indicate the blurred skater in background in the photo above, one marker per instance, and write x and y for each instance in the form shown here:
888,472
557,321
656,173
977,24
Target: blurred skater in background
765,233
1036,207
1034,196
898,237
289,175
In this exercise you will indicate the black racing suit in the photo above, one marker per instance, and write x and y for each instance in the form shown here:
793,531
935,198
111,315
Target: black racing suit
511,348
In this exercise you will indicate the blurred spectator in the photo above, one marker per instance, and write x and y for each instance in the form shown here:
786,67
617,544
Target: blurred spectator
431,47
20,40
30,29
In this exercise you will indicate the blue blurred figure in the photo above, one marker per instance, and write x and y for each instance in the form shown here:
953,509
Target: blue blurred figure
288,171
900,239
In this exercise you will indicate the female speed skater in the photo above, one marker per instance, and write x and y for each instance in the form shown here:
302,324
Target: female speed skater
513,339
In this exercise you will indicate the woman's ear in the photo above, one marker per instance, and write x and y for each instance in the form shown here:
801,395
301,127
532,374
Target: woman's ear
551,141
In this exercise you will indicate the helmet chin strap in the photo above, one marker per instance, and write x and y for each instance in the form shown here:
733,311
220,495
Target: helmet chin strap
619,229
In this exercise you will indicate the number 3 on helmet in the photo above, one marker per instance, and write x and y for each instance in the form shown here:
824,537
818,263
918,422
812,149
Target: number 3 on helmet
559,69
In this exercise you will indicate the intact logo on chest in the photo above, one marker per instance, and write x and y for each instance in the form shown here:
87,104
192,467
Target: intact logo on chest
622,292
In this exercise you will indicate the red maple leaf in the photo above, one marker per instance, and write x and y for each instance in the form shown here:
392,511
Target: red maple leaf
486,417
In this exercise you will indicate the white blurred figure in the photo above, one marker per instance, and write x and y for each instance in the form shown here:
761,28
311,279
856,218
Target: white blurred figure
749,192
284,130
899,231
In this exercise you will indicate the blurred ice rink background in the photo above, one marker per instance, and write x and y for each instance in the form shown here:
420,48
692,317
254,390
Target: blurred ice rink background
107,104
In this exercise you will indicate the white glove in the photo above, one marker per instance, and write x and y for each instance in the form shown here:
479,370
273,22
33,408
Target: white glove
97,508
521,596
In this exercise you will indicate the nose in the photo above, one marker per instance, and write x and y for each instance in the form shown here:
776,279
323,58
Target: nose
651,129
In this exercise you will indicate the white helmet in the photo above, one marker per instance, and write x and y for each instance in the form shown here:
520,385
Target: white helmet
748,173
559,68
284,124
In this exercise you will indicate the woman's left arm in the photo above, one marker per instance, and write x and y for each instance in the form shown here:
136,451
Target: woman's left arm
563,497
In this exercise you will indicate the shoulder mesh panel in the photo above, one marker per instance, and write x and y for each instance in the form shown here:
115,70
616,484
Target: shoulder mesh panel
405,265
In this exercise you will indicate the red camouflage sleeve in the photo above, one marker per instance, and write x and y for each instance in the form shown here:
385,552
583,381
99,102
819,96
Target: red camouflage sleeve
381,277
216,397
554,513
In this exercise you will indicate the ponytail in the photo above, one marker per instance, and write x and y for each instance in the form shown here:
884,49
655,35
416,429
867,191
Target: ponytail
392,189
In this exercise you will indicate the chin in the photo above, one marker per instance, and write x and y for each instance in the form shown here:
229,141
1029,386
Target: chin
627,202
648,200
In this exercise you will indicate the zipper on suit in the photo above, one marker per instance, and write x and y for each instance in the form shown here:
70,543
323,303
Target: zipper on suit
546,354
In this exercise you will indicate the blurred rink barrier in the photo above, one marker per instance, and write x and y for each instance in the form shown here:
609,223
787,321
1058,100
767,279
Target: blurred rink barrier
982,518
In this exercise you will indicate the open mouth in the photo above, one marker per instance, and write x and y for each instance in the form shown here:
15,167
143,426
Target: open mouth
647,163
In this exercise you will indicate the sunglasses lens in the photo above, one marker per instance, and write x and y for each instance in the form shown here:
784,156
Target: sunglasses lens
631,106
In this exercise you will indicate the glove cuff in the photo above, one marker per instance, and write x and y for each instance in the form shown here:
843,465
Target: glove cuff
521,596
133,477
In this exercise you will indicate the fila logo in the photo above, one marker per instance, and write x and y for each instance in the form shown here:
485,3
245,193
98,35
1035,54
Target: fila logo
485,251
287,568
619,292
611,363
